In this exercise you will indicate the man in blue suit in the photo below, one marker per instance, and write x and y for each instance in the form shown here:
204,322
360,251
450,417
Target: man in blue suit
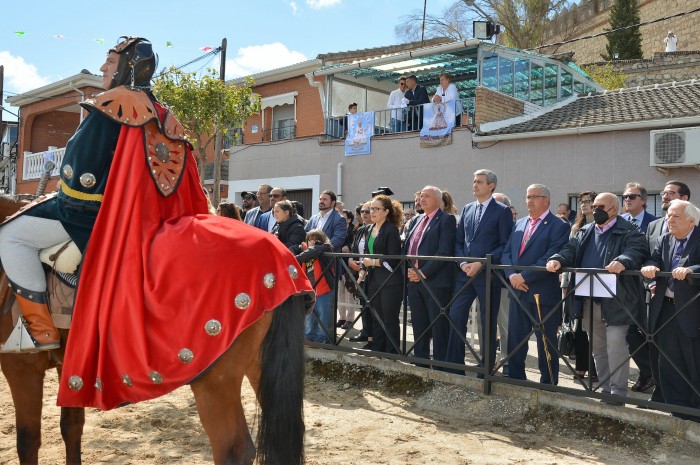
267,220
634,201
329,221
431,234
672,312
484,228
535,238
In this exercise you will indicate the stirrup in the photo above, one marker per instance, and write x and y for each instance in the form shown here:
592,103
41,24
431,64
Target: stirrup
20,342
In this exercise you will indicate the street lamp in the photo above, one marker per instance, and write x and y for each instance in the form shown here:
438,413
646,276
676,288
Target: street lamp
616,54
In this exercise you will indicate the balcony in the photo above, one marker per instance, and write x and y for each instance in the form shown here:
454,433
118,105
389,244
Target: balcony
33,163
335,126
281,132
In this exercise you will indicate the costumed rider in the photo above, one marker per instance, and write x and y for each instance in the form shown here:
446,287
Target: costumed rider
72,212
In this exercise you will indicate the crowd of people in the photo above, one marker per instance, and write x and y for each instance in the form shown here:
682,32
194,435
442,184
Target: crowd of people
604,234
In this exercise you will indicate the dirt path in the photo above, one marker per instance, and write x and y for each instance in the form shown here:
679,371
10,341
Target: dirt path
360,418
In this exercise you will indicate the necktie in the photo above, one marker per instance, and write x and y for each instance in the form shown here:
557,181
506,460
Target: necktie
416,237
675,261
635,222
478,217
528,234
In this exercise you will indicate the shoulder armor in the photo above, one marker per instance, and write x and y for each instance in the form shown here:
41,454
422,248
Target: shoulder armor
165,142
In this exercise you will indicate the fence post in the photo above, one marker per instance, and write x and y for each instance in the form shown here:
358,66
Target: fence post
486,330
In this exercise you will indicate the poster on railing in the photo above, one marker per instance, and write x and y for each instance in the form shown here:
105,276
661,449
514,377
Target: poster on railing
438,121
360,132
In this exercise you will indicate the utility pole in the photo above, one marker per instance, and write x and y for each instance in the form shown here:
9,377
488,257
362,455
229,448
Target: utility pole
218,142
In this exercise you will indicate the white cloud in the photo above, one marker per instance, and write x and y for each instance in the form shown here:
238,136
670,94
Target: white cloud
294,7
20,76
318,4
258,58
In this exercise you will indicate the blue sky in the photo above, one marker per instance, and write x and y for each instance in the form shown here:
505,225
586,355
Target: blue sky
62,38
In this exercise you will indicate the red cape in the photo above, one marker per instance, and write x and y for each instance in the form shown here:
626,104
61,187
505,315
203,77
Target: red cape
155,272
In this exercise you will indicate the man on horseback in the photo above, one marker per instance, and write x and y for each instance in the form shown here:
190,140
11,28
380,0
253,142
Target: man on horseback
71,214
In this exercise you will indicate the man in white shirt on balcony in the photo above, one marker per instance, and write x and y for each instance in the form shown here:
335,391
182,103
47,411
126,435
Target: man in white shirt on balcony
397,117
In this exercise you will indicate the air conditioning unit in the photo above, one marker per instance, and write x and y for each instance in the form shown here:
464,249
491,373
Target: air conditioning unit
674,148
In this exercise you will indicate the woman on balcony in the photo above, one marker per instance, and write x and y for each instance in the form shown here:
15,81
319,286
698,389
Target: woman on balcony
447,93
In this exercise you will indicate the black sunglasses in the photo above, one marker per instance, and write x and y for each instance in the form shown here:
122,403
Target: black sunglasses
630,196
364,211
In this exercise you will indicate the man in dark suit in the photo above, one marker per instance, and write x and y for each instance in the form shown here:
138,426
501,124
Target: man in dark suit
614,244
432,234
415,97
484,228
678,335
329,220
647,356
634,201
534,239
634,204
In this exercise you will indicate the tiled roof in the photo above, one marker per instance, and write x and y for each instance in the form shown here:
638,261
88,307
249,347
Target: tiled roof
375,52
648,103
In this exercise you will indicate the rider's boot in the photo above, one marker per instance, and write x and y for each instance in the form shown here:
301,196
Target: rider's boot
35,309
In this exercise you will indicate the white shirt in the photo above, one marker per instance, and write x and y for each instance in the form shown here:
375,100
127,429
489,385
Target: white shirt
450,95
671,43
395,102
639,218
323,218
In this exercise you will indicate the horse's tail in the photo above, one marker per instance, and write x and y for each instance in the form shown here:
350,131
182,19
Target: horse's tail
281,394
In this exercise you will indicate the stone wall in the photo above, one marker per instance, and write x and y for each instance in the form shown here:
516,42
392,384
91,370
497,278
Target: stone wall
593,16
662,67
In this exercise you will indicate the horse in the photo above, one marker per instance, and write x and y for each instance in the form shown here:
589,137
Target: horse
270,353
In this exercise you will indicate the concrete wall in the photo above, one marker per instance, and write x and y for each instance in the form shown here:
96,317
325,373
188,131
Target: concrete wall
568,165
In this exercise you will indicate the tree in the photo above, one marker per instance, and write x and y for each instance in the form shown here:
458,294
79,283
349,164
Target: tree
627,43
606,76
205,107
524,20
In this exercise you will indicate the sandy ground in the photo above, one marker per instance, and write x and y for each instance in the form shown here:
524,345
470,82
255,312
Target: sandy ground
351,420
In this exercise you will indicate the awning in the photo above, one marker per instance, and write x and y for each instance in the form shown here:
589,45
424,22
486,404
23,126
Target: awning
277,100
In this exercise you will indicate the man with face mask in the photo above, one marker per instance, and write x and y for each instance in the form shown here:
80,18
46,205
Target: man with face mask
614,244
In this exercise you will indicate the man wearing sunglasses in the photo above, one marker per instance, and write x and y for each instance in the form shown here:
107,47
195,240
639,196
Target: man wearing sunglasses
634,203
397,113
267,220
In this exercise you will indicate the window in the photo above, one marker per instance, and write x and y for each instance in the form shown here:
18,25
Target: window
536,84
505,76
522,79
489,72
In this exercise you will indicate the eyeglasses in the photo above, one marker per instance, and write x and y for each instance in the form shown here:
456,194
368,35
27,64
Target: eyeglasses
408,215
402,83
586,202
276,196
364,212
376,209
601,207
533,197
669,194
630,196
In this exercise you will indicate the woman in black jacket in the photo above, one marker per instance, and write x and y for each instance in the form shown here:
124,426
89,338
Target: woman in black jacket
289,228
384,281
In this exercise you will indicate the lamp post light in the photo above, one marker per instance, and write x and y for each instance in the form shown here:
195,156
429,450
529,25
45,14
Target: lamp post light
616,55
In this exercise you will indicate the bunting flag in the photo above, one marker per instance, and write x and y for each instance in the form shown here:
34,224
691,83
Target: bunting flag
169,44
206,49
59,36
100,41
19,33
360,132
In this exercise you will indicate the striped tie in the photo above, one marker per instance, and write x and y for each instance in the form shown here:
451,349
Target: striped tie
478,217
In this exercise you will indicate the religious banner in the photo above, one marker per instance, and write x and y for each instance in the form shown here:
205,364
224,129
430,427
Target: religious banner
360,131
438,121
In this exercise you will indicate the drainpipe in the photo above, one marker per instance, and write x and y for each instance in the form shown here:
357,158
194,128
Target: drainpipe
340,181
82,99
319,86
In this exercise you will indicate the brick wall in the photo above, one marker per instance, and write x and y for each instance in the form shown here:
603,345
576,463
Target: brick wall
494,106
309,112
592,16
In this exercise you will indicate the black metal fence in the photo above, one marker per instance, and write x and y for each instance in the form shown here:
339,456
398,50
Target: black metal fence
479,356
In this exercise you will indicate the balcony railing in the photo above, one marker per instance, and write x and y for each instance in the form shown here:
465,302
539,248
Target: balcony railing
33,163
279,133
397,121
